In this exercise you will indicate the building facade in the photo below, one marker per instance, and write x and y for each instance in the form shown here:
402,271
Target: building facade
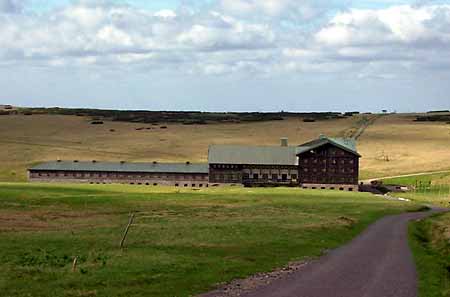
253,165
168,174
324,163
328,163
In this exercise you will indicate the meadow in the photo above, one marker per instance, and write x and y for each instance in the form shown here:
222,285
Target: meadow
393,144
181,243
430,242
432,189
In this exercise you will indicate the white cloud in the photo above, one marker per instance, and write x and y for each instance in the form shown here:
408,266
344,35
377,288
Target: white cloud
223,39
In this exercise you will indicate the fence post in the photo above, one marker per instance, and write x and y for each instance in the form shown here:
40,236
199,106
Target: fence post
130,222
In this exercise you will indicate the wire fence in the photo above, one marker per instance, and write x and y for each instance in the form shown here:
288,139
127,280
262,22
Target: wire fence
431,190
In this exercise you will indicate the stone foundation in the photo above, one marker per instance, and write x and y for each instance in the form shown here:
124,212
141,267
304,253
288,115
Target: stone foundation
349,188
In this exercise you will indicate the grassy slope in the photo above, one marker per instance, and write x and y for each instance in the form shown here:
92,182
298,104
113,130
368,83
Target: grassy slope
29,139
25,140
181,243
435,179
430,242
430,188
410,146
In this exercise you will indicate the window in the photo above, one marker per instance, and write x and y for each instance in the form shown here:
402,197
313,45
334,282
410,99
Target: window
305,169
265,176
245,176
324,170
255,176
274,176
284,177
294,176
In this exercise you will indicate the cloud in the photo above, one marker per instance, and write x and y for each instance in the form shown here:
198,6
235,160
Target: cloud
224,38
284,10
405,37
11,6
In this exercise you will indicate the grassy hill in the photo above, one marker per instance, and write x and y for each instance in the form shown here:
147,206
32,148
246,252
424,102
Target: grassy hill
182,241
393,144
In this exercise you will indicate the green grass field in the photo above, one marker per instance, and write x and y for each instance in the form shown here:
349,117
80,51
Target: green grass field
181,243
428,188
430,242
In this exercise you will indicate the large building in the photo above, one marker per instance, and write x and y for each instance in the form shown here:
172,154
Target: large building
94,172
324,163
328,163
253,165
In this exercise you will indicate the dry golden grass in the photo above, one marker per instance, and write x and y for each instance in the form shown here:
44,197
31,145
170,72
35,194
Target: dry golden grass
26,140
410,146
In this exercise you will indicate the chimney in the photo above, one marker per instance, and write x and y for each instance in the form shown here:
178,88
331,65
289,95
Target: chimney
284,142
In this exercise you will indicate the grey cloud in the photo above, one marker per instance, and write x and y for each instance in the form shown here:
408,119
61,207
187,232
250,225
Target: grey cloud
11,6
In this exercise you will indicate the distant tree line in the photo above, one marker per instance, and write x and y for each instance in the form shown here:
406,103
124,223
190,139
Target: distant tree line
186,117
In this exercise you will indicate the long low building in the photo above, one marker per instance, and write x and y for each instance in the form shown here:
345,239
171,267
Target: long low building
324,163
94,172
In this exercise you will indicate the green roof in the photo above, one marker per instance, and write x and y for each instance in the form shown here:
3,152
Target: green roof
122,167
346,144
252,155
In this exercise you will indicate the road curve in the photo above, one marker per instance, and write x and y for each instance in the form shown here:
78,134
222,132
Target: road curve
377,263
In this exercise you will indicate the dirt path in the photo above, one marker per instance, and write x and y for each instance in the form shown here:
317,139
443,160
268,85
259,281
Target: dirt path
358,129
376,263
407,175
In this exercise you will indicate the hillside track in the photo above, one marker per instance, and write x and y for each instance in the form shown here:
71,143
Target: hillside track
406,175
376,263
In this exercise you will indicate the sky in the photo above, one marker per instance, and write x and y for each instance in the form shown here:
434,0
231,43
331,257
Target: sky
226,55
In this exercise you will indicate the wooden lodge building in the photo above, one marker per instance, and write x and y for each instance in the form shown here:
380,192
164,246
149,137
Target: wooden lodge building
168,174
253,165
324,163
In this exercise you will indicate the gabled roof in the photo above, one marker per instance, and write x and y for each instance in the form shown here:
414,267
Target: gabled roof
252,155
122,167
346,144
